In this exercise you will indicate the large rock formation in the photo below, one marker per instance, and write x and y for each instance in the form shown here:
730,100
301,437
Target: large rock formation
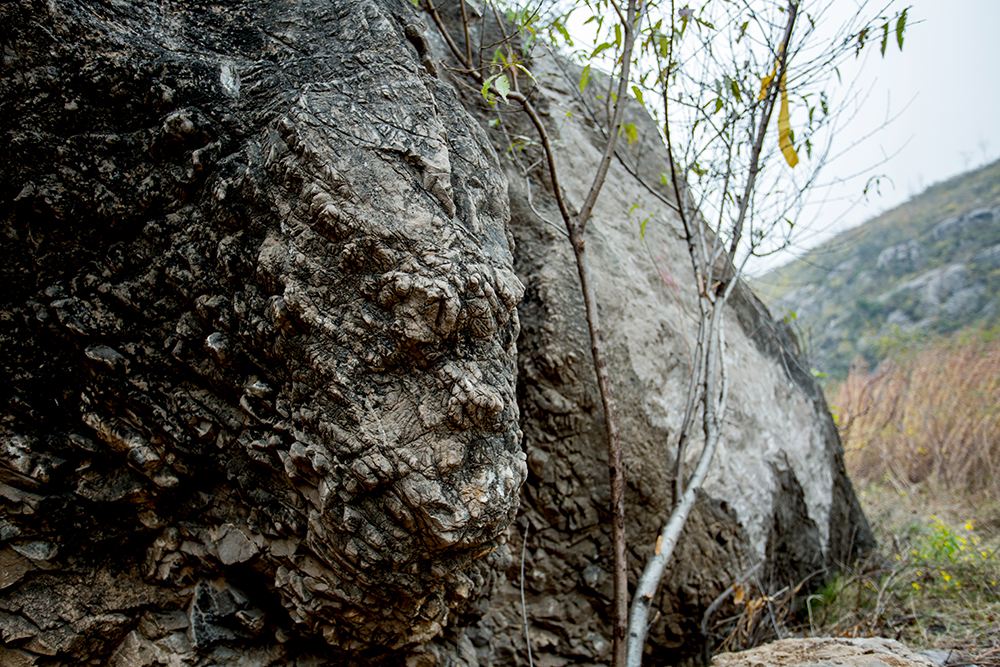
260,385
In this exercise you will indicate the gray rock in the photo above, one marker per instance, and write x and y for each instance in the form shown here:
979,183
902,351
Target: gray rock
778,491
901,256
932,288
967,223
246,244
938,656
218,612
965,301
989,258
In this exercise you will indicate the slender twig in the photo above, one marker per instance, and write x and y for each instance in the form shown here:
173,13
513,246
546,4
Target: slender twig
771,96
575,227
467,64
524,608
709,359
465,26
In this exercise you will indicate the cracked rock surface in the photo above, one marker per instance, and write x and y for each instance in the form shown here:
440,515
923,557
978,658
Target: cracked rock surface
258,340
266,399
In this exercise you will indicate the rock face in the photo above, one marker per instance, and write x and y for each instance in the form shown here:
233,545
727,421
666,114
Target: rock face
262,400
778,491
261,318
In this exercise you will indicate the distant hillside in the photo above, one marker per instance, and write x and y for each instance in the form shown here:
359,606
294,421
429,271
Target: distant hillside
930,265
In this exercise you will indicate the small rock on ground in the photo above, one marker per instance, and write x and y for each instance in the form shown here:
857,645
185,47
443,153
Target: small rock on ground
826,652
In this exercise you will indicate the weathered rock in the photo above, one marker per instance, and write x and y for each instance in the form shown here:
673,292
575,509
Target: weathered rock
261,316
262,401
826,652
900,257
778,491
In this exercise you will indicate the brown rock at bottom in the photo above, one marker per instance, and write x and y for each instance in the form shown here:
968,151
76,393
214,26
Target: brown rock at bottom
826,652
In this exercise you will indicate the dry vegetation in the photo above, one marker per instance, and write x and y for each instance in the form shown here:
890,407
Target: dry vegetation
929,417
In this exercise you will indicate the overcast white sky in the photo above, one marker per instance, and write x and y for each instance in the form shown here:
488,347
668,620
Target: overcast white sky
949,75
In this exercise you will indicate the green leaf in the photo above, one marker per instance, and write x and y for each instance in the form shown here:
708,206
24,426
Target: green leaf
526,71
900,27
638,95
642,229
584,78
416,3
705,24
664,178
634,206
885,38
631,134
735,87
718,104
486,89
503,86
618,36
494,122
562,31
599,49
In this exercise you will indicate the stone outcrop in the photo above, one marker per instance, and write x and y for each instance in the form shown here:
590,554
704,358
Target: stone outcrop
261,319
778,491
263,402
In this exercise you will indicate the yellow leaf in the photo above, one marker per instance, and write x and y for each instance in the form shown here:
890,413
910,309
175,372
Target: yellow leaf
766,82
785,128
659,543
784,124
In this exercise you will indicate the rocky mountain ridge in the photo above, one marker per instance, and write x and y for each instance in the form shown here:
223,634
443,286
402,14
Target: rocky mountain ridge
929,266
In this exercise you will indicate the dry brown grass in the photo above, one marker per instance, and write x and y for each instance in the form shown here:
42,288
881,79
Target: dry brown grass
931,416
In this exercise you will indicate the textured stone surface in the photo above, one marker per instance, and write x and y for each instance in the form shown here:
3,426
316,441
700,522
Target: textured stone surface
827,652
261,316
778,491
262,398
